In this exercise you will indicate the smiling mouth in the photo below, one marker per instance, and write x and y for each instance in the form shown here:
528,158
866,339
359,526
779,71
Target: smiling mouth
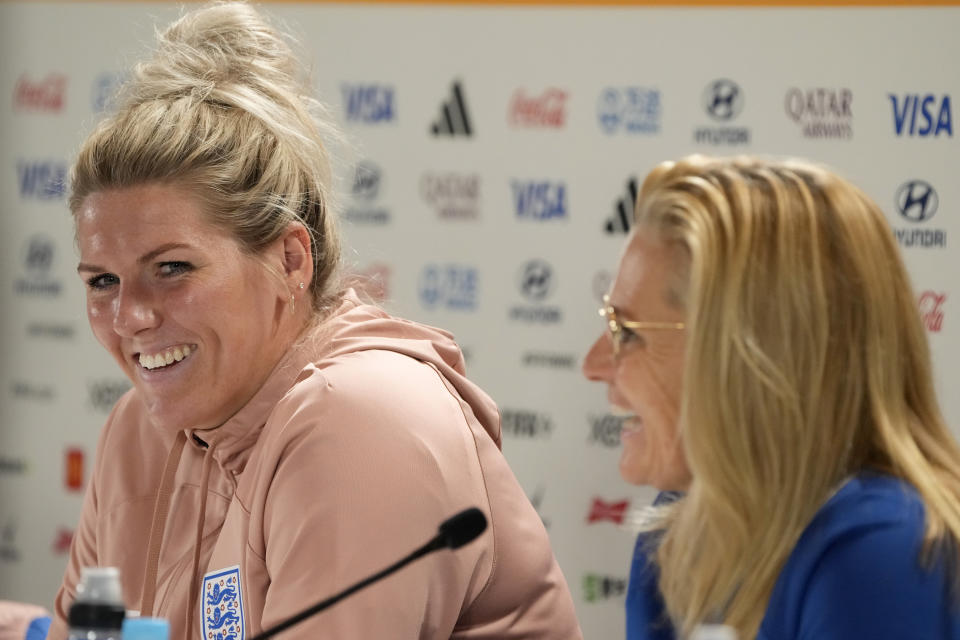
166,358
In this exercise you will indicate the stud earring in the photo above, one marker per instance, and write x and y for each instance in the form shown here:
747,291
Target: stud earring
302,285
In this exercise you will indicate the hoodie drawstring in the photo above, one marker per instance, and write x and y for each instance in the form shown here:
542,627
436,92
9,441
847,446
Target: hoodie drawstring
161,509
195,582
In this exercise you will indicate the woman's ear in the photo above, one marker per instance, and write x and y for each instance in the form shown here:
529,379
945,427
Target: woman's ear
297,256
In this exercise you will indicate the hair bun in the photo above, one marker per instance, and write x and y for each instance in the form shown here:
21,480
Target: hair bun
218,53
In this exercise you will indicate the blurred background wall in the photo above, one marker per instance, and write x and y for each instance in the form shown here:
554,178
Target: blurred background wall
494,154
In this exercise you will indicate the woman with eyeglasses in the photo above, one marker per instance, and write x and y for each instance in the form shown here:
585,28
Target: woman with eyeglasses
764,345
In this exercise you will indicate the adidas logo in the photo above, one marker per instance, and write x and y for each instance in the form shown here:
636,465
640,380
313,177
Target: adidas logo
622,219
453,119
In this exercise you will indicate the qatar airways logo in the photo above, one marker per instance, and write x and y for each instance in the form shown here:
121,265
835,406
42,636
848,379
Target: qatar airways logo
453,196
821,113
931,310
547,110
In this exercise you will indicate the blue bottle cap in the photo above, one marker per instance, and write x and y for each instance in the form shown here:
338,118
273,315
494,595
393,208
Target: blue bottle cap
146,629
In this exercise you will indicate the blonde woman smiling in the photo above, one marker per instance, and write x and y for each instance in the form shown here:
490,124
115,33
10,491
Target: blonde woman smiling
282,439
763,337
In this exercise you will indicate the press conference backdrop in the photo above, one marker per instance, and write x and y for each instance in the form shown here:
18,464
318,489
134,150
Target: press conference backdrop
494,158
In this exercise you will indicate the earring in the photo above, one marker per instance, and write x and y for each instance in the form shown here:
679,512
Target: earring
302,285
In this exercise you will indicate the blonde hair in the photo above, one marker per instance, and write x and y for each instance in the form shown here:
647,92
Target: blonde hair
806,362
222,109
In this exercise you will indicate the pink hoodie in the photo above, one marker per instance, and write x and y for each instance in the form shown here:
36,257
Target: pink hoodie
363,439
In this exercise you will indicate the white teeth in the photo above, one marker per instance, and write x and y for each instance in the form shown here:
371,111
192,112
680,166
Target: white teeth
176,354
620,412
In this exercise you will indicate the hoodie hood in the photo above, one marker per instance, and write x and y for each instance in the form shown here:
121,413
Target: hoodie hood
354,326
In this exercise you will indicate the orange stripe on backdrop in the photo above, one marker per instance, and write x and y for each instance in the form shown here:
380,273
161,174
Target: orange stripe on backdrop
646,3
580,3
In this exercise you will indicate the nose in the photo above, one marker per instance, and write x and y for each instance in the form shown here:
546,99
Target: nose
133,311
598,365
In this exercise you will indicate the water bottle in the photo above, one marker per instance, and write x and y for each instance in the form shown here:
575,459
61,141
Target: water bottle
146,629
98,611
713,632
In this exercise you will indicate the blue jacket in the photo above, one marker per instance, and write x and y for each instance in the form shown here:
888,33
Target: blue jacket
855,573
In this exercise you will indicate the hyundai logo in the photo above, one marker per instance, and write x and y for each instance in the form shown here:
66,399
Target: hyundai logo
38,255
723,99
916,200
536,279
366,181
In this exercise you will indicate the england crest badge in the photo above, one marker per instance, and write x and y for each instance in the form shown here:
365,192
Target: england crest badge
221,605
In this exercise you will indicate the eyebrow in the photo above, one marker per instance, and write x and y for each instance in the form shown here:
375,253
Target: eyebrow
147,257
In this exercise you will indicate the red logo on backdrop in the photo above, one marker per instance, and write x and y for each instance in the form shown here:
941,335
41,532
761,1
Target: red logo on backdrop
373,280
546,110
612,511
73,469
48,94
62,540
931,310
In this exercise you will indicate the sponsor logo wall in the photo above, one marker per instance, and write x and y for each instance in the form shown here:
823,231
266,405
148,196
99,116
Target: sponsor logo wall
490,196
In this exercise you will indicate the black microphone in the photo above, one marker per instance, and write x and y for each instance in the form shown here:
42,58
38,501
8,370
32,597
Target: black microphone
453,533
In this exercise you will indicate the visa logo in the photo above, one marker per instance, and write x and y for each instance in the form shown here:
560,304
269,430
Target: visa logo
921,115
540,200
370,104
42,180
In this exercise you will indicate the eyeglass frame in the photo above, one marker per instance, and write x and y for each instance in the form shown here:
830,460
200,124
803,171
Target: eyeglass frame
616,326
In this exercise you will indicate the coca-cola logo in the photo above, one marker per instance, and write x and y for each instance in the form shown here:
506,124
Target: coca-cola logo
546,110
62,540
931,310
48,94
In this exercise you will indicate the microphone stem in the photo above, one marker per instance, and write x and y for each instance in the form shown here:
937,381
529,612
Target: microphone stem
433,545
